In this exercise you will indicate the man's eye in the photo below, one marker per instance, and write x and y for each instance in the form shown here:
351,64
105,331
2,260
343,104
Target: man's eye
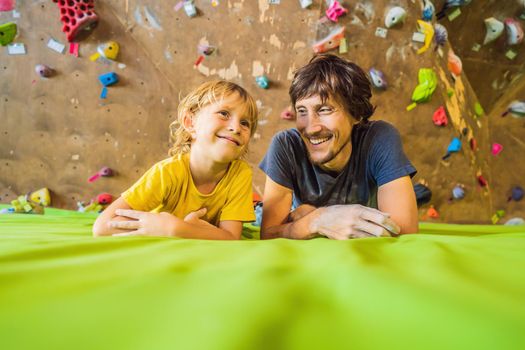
302,112
325,110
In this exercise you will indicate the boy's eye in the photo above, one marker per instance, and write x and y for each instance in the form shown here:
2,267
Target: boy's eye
245,123
224,113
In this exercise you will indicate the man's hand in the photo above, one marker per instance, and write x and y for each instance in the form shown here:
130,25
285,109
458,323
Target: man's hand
145,223
300,211
352,221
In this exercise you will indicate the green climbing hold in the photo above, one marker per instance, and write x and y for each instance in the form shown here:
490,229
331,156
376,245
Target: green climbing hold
478,109
426,87
7,33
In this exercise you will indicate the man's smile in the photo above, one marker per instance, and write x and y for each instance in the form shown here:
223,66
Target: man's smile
318,140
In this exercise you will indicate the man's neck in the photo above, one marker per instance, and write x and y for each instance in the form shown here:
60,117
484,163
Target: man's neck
341,159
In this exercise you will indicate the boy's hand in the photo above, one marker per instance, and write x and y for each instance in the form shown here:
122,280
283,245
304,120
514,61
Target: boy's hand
144,223
195,218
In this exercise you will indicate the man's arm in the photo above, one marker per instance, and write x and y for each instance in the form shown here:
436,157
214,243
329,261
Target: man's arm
336,222
398,199
277,201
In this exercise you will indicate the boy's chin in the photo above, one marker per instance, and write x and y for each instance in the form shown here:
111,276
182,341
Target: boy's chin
226,158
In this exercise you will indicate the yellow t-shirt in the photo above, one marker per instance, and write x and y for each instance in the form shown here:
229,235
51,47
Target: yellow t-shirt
168,187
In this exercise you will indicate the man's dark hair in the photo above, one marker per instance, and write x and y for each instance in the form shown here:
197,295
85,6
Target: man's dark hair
328,75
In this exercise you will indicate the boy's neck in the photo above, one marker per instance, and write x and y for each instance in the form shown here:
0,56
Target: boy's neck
205,172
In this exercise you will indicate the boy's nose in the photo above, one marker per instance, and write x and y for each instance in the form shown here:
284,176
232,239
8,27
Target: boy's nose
234,126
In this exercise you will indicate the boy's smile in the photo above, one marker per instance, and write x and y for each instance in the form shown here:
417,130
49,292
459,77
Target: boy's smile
230,140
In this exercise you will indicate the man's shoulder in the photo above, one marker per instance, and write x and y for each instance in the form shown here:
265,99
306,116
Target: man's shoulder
378,126
288,135
376,132
289,139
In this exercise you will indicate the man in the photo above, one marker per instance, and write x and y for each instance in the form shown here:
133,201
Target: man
337,168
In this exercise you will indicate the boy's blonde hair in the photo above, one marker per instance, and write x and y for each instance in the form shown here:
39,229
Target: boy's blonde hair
206,94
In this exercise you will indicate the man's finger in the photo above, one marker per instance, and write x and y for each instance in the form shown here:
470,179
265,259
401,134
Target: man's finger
373,215
372,229
129,213
126,225
360,234
391,226
128,234
380,218
332,234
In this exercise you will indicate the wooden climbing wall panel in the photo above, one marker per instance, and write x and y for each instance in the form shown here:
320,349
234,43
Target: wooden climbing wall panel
57,132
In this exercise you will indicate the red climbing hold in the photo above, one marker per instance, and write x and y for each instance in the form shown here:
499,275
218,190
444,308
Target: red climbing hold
440,117
78,18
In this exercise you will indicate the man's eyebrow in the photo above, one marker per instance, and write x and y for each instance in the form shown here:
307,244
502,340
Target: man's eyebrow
317,105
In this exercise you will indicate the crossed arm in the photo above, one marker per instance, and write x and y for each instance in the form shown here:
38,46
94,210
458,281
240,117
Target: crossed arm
396,198
120,220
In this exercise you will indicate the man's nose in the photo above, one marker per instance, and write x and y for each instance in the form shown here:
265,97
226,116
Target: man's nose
314,125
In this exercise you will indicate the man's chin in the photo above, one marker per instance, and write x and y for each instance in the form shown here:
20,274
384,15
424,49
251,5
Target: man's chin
320,159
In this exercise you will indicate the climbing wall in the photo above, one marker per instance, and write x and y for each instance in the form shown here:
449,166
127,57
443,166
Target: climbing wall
57,132
495,70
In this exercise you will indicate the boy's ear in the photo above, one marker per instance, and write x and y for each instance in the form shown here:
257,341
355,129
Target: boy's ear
187,123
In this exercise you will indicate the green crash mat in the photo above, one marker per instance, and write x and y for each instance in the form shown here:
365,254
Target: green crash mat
449,287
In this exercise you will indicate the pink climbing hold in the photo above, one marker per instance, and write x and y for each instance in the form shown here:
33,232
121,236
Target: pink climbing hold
496,148
288,113
7,5
335,11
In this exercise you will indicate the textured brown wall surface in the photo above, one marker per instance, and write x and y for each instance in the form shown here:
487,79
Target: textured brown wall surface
497,81
47,123
489,71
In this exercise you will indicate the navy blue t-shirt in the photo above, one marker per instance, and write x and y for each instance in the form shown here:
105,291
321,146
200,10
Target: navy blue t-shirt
377,158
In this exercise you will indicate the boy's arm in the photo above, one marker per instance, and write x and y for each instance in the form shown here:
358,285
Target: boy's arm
165,224
227,230
101,226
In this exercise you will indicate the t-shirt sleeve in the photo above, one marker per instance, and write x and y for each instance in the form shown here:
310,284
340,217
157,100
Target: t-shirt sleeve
388,160
276,162
148,192
239,205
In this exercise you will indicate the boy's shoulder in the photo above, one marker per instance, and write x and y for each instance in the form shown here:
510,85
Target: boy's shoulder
178,159
240,165
176,164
